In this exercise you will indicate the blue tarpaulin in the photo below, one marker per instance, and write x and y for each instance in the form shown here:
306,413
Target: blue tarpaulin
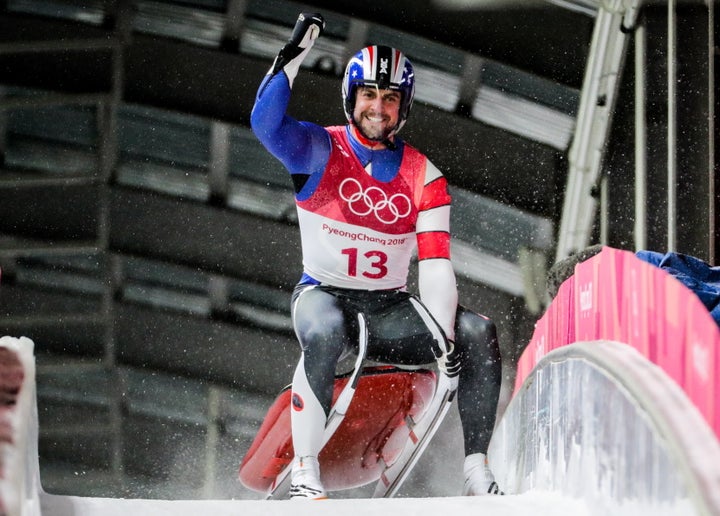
694,273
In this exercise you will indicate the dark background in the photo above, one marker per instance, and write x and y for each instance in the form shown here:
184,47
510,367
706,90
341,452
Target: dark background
148,243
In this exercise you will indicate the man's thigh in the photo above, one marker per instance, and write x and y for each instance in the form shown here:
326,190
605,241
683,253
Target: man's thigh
398,335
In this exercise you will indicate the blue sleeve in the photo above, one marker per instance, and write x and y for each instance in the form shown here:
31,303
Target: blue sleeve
302,147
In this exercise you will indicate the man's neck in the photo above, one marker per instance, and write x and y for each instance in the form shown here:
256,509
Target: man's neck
365,142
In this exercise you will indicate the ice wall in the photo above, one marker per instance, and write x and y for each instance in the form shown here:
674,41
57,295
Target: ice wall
599,422
616,296
617,395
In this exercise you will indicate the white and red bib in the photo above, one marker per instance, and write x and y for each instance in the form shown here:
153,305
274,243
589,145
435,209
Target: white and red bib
358,232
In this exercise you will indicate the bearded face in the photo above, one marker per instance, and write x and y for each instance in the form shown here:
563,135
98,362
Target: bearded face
376,112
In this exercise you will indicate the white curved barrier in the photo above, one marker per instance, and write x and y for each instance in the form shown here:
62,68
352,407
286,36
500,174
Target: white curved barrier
19,475
600,422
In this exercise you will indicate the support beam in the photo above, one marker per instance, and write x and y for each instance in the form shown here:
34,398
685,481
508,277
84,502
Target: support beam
599,93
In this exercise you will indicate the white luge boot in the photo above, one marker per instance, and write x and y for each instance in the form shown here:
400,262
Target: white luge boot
305,481
479,480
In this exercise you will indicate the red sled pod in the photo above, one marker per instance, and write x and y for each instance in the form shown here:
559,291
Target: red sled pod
370,437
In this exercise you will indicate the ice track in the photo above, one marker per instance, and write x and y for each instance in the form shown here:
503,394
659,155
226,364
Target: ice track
535,503
611,448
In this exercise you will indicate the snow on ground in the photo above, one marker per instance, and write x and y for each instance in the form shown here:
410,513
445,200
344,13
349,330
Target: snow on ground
535,503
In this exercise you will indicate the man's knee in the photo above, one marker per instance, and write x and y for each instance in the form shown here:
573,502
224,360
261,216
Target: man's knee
477,335
319,323
476,326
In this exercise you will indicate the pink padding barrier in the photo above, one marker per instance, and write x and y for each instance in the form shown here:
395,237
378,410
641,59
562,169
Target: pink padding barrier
616,296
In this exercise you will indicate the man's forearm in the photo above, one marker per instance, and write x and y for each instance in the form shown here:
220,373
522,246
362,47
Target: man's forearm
438,292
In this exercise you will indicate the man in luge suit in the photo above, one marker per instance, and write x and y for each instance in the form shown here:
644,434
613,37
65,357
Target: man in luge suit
366,200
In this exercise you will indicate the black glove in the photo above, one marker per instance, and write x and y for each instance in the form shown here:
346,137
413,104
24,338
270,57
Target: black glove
307,29
449,360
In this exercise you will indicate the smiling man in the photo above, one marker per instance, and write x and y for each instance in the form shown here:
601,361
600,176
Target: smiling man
366,202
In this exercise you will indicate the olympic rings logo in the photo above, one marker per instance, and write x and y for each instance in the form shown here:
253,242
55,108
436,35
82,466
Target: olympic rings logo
374,200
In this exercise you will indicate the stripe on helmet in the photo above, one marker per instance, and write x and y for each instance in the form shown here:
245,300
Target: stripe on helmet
398,67
383,66
369,60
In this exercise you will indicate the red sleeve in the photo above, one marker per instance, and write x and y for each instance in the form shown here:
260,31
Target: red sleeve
433,244
435,194
433,238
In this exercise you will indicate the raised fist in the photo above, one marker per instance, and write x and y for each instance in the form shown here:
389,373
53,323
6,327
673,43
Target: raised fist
307,29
